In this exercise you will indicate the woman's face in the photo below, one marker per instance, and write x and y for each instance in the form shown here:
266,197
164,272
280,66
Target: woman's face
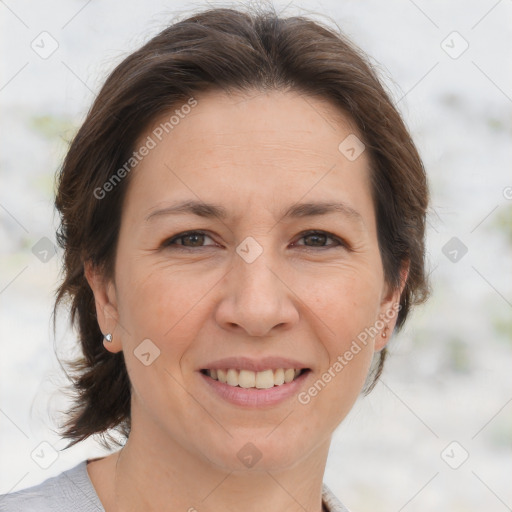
251,285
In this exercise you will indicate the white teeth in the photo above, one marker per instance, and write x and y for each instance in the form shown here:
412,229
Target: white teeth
249,379
289,375
221,376
246,379
265,379
279,377
232,377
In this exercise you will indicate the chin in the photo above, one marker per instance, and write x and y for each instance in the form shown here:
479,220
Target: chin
259,452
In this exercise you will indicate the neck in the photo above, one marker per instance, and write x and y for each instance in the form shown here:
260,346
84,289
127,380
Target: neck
154,474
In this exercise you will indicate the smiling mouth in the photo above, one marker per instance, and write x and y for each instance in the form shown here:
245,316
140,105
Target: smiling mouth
260,380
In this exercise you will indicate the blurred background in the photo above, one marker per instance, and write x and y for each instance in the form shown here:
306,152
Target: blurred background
436,433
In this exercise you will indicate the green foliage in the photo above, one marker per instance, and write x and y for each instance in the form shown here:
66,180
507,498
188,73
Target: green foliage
51,127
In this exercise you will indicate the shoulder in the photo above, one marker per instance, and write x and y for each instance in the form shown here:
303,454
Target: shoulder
330,502
70,491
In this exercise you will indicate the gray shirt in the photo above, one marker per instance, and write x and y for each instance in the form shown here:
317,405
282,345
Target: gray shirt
72,491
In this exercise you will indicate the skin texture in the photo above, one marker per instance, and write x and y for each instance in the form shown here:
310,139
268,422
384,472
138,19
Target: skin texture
256,154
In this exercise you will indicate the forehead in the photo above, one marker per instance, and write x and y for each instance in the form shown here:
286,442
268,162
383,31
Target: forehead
272,147
259,119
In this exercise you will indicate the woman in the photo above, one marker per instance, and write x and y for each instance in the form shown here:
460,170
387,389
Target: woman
243,217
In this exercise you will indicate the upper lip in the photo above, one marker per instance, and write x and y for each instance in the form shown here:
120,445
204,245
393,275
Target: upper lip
256,365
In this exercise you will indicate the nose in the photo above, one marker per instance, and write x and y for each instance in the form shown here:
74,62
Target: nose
257,299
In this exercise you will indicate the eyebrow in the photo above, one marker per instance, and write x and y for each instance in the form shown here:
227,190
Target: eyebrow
301,210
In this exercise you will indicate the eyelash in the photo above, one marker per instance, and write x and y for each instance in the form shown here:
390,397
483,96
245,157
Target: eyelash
169,243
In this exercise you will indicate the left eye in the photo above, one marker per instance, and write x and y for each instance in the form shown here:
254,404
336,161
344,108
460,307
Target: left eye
318,239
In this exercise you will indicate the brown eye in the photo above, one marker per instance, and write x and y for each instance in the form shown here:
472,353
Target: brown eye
189,239
316,239
195,239
319,239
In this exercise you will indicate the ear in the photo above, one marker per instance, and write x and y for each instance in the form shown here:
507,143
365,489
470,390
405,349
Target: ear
106,305
390,307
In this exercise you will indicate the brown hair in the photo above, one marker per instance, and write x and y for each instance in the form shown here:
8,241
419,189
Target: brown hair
228,50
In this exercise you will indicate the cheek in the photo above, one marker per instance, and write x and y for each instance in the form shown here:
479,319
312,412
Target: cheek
162,304
346,300
345,309
348,308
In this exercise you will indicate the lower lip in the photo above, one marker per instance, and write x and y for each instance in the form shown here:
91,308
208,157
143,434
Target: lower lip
253,397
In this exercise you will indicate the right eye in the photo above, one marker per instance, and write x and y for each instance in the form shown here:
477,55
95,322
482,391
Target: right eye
188,239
